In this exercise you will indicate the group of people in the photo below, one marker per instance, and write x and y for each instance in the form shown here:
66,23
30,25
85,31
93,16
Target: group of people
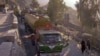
85,45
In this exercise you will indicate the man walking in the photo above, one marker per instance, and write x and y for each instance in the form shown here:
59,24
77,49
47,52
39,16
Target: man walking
88,46
83,46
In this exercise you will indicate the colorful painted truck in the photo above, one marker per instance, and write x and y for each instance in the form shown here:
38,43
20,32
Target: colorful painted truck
47,38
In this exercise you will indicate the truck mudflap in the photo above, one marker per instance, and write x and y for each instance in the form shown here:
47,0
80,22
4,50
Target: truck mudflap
50,54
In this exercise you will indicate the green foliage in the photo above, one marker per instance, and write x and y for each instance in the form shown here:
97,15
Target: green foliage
58,48
24,11
44,48
56,10
16,10
41,23
49,50
87,12
42,11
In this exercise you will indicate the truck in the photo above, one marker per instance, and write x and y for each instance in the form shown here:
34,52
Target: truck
47,39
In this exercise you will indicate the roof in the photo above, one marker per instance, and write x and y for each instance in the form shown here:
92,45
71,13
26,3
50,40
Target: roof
48,31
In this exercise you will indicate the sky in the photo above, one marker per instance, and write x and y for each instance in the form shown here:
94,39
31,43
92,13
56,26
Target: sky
70,3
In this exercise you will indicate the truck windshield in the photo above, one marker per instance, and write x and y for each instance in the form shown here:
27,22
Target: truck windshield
51,38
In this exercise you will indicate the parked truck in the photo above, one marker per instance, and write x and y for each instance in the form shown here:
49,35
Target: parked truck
47,39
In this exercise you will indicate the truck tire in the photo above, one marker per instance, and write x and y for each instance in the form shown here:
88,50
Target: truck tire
37,50
38,54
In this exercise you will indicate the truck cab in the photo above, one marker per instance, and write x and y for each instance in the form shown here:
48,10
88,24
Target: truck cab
50,41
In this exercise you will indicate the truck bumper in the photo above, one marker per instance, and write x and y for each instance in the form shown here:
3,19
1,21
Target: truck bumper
50,54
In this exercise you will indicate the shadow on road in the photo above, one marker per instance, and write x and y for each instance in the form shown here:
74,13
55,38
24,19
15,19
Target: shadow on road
8,24
6,39
8,21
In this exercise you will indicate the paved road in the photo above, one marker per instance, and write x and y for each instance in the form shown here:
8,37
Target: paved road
2,15
72,50
8,26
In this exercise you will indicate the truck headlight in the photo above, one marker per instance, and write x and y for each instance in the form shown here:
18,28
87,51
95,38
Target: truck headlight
61,44
41,44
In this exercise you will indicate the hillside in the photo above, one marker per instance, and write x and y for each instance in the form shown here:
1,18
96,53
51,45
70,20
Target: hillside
73,16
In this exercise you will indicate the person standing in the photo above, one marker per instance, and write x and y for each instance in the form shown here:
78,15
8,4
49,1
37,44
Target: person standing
83,46
88,47
32,38
88,44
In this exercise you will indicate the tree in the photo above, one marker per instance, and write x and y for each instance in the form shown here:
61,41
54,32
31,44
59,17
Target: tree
34,4
56,10
87,13
16,10
42,22
42,11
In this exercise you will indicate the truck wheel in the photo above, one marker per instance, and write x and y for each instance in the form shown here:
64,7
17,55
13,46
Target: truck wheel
37,50
38,54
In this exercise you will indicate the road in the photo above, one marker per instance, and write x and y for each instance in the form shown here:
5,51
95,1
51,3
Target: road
8,27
